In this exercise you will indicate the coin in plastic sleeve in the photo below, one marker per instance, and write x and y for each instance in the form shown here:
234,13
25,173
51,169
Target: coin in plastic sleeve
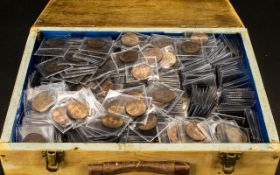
77,110
42,101
136,108
141,71
130,39
112,121
150,124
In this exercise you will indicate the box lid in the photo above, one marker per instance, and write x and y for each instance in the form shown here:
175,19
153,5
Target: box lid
139,13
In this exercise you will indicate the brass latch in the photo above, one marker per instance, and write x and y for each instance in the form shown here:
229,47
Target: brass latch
229,161
53,159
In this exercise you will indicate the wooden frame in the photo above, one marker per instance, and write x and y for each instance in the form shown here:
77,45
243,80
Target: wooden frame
255,157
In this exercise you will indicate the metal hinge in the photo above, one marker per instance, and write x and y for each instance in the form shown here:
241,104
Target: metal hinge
53,159
229,161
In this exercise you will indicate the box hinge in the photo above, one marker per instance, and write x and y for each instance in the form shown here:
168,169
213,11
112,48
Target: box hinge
229,161
53,159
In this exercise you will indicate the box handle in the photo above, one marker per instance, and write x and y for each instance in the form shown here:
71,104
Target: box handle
112,168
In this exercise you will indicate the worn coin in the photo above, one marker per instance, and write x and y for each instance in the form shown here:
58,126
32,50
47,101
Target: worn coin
59,115
172,133
130,39
53,67
153,52
136,93
96,42
107,85
34,137
192,130
161,42
189,47
199,37
77,110
141,72
116,106
168,60
128,56
136,108
163,95
230,133
42,101
150,124
55,42
112,121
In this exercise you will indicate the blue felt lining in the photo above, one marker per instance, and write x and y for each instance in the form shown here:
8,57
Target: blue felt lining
114,35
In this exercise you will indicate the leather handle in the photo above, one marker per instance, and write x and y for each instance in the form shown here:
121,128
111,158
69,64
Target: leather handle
112,168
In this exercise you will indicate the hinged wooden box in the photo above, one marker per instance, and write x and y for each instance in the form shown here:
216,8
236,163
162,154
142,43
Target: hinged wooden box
170,16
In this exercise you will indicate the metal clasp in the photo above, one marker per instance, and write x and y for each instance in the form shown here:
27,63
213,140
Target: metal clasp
53,159
229,161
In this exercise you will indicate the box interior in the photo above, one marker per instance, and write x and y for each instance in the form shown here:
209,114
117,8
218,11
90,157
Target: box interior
114,35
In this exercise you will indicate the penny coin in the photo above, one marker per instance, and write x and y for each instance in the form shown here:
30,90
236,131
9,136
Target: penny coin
136,93
199,37
150,124
163,95
153,52
96,42
112,121
77,110
136,108
116,106
107,85
59,115
141,71
230,133
172,134
55,42
52,67
42,101
161,42
189,47
34,137
91,85
194,132
129,56
130,39
168,60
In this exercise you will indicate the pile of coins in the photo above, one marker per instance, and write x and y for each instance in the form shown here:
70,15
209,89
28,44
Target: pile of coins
140,88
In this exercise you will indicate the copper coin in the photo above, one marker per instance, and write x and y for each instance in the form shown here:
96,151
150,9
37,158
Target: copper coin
163,95
141,72
42,101
59,115
130,39
52,67
96,42
107,85
150,124
199,37
230,133
194,132
189,47
35,138
153,52
70,57
112,121
172,134
168,60
129,56
77,110
55,42
136,93
136,108
161,42
116,106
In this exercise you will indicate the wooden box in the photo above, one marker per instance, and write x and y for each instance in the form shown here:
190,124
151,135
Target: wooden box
170,16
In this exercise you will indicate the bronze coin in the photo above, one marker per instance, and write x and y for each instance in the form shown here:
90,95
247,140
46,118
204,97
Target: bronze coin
161,42
42,101
35,138
77,110
230,133
129,56
107,85
52,67
55,42
116,106
153,52
199,37
141,72
163,95
96,42
70,57
172,133
192,130
130,39
189,47
136,108
168,60
59,115
150,124
112,121
136,93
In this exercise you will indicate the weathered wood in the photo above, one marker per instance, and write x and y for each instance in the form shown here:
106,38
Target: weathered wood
139,13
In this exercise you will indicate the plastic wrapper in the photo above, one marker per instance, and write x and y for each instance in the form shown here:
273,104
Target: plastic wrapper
171,134
188,47
138,91
97,44
169,60
53,46
206,39
237,97
130,39
71,59
254,125
151,51
91,57
35,134
161,41
106,68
